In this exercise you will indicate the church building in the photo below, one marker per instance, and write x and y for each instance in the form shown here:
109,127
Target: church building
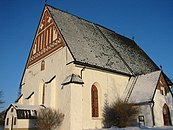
75,66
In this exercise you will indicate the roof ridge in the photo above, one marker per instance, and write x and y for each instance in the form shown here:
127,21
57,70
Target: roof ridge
68,13
128,67
113,31
85,20
89,21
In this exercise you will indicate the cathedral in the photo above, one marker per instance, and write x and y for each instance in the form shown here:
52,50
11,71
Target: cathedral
75,66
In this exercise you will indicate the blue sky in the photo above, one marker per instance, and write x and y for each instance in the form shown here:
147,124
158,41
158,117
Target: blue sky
149,21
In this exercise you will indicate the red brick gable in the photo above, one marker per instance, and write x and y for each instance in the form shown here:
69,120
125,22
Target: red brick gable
162,85
47,39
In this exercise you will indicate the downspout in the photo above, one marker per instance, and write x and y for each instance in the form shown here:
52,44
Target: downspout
83,69
152,112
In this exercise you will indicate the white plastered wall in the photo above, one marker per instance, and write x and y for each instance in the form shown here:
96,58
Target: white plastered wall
9,116
34,79
20,123
159,101
110,87
146,111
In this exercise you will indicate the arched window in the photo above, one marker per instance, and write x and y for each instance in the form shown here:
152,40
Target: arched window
42,65
94,101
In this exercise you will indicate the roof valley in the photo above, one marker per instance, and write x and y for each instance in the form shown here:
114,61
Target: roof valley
128,67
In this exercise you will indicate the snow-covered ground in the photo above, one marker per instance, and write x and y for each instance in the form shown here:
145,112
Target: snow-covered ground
1,127
137,128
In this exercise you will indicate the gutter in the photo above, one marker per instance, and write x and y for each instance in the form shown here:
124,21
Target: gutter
100,68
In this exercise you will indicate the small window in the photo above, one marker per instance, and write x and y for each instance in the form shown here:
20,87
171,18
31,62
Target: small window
33,114
7,121
42,65
141,118
162,90
15,121
11,109
141,121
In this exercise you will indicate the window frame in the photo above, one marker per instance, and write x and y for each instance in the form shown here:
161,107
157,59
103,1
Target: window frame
94,102
42,65
15,120
7,121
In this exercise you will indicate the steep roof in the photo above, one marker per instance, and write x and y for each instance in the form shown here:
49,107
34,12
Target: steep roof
144,87
92,44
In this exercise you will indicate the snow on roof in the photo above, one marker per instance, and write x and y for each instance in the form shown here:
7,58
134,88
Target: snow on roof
27,107
144,88
132,54
72,79
95,45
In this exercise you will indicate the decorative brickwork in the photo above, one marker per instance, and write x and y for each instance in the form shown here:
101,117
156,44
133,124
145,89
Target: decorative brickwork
162,86
47,40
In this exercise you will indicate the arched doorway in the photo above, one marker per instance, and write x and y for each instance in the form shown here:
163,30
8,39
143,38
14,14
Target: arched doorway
166,115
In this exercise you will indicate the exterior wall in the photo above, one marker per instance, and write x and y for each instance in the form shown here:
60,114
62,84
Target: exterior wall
21,124
55,97
160,100
76,107
146,111
162,96
75,100
110,87
34,79
71,106
10,115
65,106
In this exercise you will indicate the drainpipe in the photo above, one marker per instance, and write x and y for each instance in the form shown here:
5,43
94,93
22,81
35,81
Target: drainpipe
83,69
152,112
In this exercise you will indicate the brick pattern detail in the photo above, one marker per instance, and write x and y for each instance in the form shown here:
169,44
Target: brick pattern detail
162,86
47,40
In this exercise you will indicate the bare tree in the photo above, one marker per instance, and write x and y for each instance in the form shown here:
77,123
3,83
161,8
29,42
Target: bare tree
1,100
119,113
49,119
2,114
2,118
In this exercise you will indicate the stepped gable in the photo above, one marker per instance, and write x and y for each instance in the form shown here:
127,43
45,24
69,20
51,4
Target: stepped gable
94,45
